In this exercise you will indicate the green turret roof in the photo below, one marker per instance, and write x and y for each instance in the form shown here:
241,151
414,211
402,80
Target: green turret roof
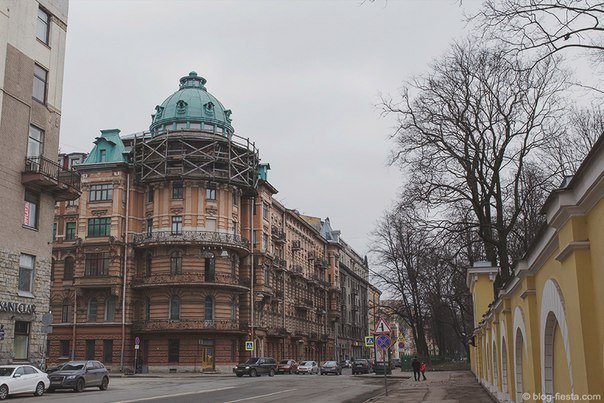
108,149
192,103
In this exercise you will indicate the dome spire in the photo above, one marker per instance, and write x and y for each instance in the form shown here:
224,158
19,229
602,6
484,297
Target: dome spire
192,81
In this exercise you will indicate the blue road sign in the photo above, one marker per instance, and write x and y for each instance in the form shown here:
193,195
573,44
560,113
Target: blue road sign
369,341
383,341
249,345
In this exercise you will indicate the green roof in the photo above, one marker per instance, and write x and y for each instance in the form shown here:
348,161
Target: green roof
108,149
192,103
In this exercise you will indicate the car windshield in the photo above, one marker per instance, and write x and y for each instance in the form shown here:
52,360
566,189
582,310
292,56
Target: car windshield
284,362
252,361
72,366
360,361
329,363
305,363
6,371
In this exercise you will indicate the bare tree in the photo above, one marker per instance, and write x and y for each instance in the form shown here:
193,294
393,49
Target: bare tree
467,130
545,26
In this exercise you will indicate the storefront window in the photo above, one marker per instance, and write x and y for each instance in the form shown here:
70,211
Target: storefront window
21,340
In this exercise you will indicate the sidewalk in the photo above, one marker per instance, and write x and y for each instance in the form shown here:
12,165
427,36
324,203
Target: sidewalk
441,386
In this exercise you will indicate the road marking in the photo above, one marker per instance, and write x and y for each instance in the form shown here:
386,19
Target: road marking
259,396
175,395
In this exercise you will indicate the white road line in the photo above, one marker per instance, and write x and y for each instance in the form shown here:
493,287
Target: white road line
175,395
259,396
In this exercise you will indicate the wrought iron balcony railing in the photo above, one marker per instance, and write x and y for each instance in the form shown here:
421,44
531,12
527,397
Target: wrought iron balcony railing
49,176
186,237
187,279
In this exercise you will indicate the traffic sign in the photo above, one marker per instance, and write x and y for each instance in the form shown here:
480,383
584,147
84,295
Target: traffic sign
47,319
383,341
401,337
382,327
249,345
369,341
46,329
137,341
401,345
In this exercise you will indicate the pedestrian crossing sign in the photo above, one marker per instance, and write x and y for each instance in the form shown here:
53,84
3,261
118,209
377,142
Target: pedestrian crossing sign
249,345
369,341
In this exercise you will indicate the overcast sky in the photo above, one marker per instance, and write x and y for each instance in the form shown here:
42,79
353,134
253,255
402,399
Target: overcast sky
301,77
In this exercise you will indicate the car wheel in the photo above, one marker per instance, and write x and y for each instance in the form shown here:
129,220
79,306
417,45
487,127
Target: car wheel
104,384
39,389
271,372
239,375
79,386
253,373
3,392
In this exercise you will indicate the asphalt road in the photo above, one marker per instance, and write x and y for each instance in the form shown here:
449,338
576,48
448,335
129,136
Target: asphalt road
224,389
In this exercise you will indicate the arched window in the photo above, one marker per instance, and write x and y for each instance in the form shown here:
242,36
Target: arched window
65,317
68,268
148,264
208,309
176,262
92,309
174,308
209,268
110,309
147,308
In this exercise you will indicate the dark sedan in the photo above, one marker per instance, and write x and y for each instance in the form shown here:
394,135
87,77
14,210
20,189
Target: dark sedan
331,367
361,366
78,375
287,367
256,366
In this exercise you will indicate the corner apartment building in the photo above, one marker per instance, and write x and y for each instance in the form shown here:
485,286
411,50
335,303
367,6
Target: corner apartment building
32,49
178,242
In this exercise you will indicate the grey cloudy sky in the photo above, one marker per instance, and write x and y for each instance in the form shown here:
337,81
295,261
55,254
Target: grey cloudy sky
302,79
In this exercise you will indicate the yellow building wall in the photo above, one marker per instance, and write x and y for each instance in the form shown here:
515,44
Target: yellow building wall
561,374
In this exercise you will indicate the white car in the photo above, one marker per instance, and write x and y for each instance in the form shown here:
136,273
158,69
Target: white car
15,379
308,367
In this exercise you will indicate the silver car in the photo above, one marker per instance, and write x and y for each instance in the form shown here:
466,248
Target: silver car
308,367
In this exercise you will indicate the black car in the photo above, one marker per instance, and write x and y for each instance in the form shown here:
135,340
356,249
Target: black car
361,366
331,367
381,366
78,375
256,366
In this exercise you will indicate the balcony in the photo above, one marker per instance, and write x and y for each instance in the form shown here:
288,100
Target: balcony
296,245
303,303
220,239
321,263
188,279
277,235
279,264
188,325
48,176
298,271
100,281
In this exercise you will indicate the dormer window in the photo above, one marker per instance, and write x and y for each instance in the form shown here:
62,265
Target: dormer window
102,155
159,110
209,107
181,107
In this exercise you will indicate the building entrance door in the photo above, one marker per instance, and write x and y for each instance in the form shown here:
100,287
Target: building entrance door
207,359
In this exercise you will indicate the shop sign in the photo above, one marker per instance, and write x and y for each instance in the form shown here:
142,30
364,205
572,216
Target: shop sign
17,307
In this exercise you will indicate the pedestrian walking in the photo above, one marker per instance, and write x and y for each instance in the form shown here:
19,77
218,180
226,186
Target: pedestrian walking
416,365
422,369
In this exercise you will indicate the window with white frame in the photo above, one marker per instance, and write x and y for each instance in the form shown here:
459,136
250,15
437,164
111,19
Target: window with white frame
35,142
40,79
43,26
26,272
31,209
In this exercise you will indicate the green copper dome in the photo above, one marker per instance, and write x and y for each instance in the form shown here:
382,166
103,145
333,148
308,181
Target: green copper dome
193,108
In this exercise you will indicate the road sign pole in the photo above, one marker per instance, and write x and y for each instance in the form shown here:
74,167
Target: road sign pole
385,370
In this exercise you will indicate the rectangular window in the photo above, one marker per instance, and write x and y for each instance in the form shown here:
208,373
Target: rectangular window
110,309
21,345
264,242
211,193
177,190
40,77
265,208
101,192
96,264
54,232
176,225
70,231
72,203
149,226
108,351
42,26
150,193
30,211
90,344
102,155
173,350
99,226
64,350
35,142
26,272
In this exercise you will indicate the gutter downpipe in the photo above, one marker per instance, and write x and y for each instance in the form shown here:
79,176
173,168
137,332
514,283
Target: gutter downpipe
125,272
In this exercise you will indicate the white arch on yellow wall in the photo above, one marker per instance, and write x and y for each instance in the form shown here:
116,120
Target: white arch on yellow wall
493,357
518,364
552,301
504,357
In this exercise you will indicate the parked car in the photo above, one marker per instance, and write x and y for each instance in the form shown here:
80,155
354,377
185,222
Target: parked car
346,364
361,366
15,379
256,366
78,375
396,362
55,368
287,367
331,367
381,366
308,367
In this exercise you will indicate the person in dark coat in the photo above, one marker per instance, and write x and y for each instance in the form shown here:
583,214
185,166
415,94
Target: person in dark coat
416,365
